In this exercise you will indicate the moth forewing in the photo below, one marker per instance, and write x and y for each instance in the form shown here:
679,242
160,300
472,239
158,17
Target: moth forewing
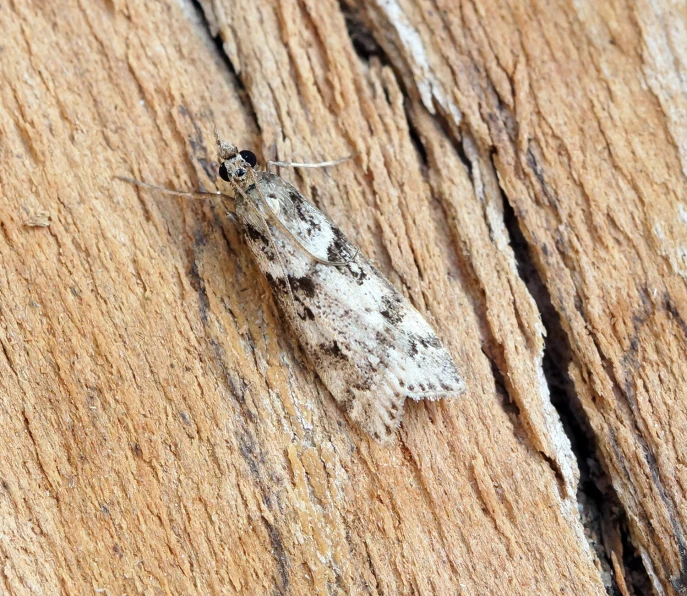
368,344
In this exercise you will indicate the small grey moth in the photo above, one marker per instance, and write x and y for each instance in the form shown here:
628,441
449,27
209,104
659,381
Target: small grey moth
369,345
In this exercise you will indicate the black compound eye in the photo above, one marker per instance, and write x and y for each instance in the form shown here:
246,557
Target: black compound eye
249,157
223,174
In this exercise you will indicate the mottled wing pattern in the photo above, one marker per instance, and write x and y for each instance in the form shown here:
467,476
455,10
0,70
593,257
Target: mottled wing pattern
315,232
370,347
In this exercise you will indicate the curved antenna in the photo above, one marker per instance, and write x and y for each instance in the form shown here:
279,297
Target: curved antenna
319,164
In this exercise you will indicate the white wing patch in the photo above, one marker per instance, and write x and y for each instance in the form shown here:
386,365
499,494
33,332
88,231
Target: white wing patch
368,344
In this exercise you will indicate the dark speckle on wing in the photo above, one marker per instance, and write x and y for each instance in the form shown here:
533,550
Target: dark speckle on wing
305,313
382,339
338,248
278,284
364,384
357,272
393,310
304,213
303,285
333,350
429,341
412,348
299,285
255,235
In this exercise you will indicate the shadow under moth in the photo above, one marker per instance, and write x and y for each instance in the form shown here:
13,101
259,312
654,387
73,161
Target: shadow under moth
369,345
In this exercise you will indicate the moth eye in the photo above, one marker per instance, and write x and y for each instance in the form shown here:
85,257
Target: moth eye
223,174
249,157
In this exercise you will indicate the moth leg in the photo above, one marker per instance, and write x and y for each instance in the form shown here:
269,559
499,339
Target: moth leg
193,194
296,239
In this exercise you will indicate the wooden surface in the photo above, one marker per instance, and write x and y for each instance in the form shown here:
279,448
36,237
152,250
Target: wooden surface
520,171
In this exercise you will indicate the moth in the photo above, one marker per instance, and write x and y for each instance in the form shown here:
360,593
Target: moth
370,347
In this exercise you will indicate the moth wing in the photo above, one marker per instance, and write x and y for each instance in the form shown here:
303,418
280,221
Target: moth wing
378,356
369,345
317,234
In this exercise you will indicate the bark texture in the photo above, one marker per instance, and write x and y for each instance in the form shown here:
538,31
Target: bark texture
520,170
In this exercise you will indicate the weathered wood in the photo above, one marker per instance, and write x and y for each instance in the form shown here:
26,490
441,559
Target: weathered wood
164,434
582,112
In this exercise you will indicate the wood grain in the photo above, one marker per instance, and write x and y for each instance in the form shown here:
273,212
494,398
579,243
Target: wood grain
164,433
581,109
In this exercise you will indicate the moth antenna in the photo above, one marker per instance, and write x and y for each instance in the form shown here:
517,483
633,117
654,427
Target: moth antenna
295,238
194,194
320,164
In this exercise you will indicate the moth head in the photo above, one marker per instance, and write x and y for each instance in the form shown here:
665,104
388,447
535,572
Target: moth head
235,164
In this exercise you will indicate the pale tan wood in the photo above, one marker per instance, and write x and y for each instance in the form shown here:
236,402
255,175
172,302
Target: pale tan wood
164,434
